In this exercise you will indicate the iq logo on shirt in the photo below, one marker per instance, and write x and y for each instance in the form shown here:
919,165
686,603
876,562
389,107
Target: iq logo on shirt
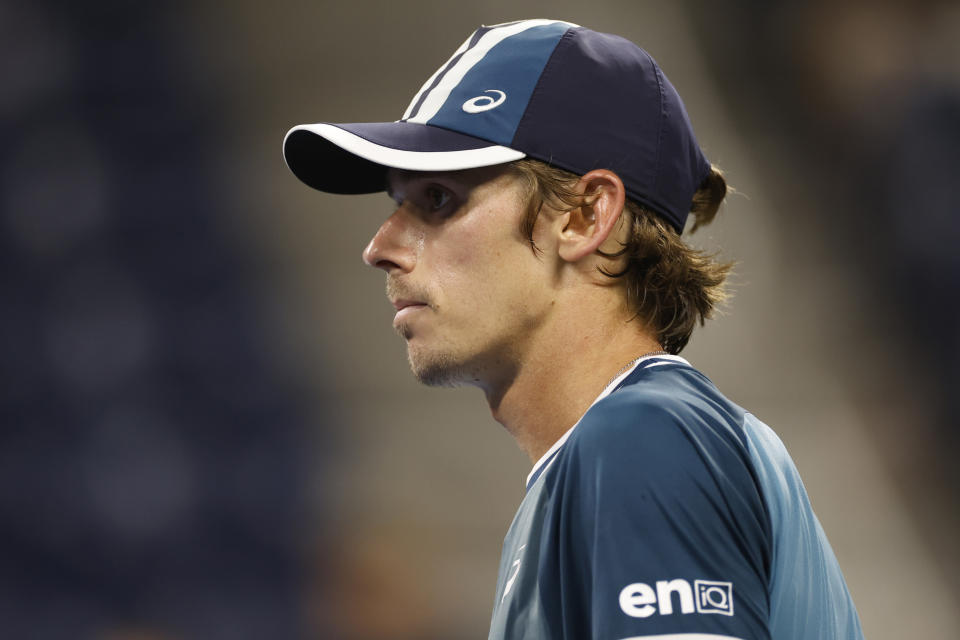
640,600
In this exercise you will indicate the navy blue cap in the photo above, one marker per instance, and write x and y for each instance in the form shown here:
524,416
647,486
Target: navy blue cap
574,98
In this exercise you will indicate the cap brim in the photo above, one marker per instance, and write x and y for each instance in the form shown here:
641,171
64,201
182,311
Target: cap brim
354,158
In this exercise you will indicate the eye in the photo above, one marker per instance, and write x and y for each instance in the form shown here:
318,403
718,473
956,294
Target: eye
436,197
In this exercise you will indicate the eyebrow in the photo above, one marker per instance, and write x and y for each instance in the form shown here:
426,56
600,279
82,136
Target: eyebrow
406,176
388,183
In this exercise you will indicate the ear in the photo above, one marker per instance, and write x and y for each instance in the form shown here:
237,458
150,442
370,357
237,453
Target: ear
589,225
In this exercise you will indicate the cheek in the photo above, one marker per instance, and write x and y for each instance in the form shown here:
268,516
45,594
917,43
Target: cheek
462,257
469,274
483,262
498,277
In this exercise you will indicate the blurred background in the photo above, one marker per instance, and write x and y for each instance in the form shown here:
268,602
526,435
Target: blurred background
209,429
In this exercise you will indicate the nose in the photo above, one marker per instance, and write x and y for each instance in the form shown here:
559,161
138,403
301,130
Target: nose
392,245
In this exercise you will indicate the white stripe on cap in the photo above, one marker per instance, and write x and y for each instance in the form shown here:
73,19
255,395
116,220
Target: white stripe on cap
471,57
426,85
411,160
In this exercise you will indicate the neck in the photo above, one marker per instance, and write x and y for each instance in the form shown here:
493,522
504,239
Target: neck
562,373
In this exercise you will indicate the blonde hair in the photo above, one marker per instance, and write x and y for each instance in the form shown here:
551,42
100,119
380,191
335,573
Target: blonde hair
669,285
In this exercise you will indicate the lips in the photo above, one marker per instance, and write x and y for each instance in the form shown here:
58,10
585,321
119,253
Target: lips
402,304
405,299
406,308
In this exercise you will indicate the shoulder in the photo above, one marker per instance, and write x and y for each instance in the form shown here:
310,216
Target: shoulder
667,439
662,414
655,487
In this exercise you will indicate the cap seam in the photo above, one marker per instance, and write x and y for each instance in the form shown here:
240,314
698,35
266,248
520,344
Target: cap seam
656,171
567,35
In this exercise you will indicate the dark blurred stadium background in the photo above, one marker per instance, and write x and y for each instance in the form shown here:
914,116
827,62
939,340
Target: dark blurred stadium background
208,430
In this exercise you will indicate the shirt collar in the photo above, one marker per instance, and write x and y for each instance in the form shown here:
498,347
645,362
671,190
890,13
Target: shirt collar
547,458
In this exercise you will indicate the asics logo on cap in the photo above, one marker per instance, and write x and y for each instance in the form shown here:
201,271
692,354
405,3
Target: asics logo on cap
484,103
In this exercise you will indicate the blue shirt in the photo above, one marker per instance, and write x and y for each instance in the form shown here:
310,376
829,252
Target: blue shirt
668,512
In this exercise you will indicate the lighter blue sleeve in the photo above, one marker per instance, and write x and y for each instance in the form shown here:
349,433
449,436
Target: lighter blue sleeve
808,595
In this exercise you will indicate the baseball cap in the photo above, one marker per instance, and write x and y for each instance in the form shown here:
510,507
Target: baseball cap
554,91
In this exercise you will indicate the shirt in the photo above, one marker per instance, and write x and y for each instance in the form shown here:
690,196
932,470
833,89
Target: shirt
668,512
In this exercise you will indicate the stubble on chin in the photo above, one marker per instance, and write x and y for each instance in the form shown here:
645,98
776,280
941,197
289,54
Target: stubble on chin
434,369
437,372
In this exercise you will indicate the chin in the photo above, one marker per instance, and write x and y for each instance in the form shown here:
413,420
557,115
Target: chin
437,371
438,368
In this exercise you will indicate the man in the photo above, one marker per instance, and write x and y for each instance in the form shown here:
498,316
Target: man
542,178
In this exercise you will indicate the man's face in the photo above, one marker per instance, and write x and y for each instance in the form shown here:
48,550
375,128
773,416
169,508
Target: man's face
470,293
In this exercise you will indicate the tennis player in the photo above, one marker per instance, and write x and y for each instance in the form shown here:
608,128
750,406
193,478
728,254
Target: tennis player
543,178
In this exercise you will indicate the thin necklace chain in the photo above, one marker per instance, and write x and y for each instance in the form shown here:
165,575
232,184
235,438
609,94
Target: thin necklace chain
659,352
